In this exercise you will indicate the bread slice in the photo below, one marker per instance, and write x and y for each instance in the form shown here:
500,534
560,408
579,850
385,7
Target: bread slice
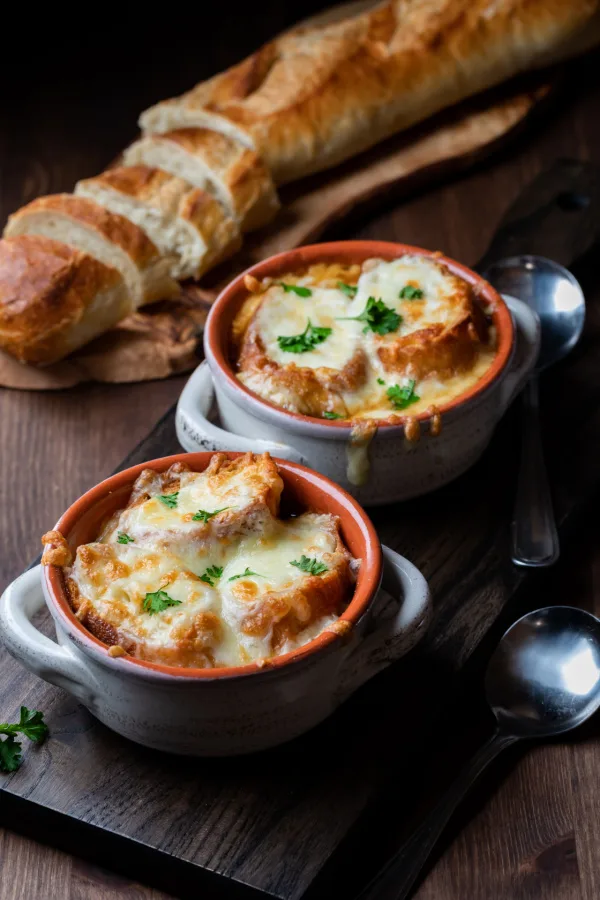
54,299
216,163
109,238
187,224
319,95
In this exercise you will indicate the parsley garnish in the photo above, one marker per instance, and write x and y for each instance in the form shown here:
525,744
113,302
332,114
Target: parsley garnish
332,415
409,292
169,500
31,725
247,573
203,516
348,289
401,397
378,317
211,573
158,601
297,289
123,538
312,566
302,343
380,381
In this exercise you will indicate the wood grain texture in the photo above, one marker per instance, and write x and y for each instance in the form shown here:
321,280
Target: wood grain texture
540,806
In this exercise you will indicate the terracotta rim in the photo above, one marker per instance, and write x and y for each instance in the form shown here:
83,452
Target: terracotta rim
367,585
217,327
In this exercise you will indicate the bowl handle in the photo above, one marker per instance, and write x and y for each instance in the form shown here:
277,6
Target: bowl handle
528,336
53,662
398,624
196,432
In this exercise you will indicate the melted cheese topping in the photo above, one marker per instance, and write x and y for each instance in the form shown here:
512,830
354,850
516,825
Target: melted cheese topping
219,592
437,318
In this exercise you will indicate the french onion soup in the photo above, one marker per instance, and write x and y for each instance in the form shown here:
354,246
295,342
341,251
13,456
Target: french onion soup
382,341
200,570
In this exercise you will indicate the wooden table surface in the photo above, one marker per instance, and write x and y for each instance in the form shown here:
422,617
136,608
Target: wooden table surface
532,829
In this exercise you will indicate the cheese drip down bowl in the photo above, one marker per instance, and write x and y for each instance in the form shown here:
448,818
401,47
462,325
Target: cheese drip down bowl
402,456
226,710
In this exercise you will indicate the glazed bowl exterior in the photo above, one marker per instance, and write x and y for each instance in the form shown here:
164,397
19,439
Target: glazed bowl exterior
396,469
223,711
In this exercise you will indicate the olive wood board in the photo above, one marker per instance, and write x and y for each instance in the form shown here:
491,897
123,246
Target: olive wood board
162,339
315,817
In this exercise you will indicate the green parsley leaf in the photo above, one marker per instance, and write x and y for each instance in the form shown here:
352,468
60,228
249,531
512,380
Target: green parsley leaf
332,415
203,516
302,343
401,397
31,725
170,500
10,754
158,601
380,381
409,292
296,289
211,573
123,538
348,289
247,573
378,317
312,566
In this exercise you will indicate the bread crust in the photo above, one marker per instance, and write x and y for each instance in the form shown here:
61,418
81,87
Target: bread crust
318,95
116,229
153,282
173,197
46,288
233,169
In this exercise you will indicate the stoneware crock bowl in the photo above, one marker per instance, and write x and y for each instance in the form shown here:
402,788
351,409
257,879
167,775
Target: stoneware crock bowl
220,712
397,469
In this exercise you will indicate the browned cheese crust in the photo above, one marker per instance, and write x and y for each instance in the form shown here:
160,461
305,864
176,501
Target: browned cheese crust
444,350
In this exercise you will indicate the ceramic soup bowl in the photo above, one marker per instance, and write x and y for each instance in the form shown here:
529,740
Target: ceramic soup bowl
219,712
396,469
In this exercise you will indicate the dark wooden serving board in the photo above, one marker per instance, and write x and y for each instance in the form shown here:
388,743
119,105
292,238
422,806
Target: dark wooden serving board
313,819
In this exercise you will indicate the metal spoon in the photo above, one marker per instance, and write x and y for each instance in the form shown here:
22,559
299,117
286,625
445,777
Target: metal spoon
558,299
543,679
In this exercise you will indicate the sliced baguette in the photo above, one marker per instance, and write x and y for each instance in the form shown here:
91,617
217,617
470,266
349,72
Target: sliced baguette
188,225
111,239
213,162
54,299
319,95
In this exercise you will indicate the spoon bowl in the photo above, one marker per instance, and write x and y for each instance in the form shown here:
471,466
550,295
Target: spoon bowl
552,292
544,676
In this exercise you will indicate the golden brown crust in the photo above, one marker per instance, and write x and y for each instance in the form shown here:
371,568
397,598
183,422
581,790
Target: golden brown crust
116,229
319,95
284,614
56,550
444,350
233,168
174,198
45,289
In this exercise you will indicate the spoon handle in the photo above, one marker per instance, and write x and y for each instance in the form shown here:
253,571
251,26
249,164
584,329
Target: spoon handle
534,535
397,877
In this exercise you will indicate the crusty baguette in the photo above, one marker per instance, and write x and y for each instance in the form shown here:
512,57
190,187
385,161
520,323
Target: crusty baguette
111,239
216,163
318,95
188,225
54,299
